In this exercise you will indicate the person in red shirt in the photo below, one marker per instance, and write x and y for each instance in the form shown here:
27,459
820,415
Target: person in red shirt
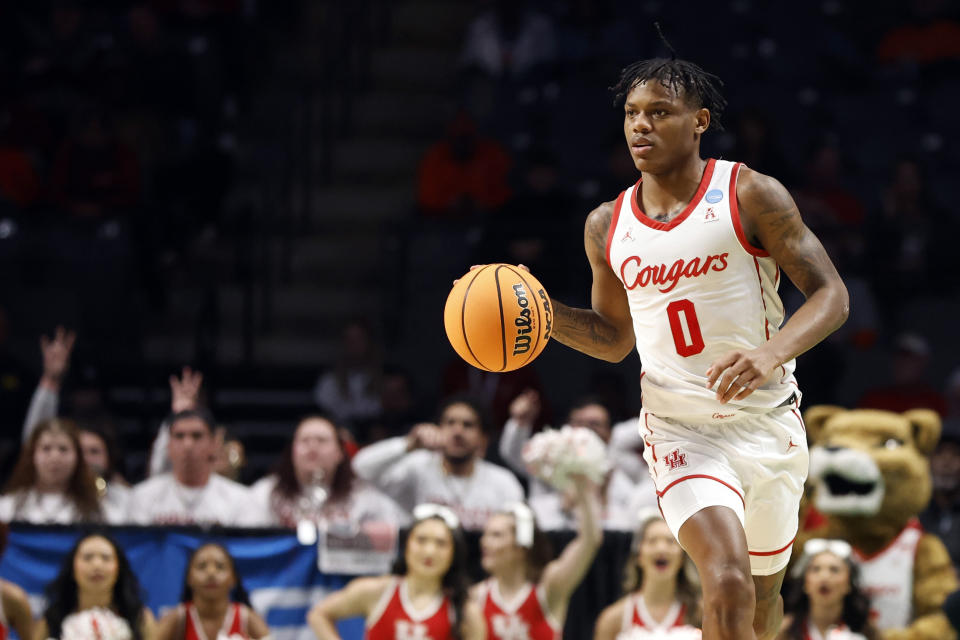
527,594
824,600
425,598
662,592
214,601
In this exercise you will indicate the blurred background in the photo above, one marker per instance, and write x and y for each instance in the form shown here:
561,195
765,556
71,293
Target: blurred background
279,194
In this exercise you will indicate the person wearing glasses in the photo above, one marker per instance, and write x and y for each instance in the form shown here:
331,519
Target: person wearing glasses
526,588
823,599
426,596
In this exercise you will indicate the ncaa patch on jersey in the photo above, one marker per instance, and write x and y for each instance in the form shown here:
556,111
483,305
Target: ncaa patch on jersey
714,196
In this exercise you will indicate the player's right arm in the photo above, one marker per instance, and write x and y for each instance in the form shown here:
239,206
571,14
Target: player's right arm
605,330
358,598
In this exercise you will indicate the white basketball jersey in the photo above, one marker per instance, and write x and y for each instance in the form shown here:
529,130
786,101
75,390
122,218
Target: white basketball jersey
887,578
697,289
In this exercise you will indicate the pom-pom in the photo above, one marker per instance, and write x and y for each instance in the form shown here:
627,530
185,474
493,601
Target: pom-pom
554,455
673,633
95,624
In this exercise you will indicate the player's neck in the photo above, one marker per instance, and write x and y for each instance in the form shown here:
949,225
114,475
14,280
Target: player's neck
824,615
666,194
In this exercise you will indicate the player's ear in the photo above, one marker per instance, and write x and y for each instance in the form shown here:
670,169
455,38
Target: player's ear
703,120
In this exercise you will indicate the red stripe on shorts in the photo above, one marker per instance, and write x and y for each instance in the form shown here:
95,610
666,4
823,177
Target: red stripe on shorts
653,447
660,494
772,553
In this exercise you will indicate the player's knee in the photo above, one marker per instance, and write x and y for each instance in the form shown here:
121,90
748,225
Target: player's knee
729,593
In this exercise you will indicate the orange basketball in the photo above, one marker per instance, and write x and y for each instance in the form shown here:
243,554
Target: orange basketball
498,317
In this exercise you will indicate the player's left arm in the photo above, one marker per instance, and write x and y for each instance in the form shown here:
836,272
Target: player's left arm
772,222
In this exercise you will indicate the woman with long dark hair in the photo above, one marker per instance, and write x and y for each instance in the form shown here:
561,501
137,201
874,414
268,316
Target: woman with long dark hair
314,481
95,595
526,585
424,597
213,602
823,600
661,587
51,483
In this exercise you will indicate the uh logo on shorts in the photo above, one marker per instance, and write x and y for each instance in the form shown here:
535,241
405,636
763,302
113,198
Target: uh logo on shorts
675,459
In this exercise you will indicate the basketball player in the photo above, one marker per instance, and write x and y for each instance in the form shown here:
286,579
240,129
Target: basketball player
686,265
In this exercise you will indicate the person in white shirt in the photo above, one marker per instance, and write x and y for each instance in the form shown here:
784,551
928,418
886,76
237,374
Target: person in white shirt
442,463
314,480
51,483
621,495
97,445
191,493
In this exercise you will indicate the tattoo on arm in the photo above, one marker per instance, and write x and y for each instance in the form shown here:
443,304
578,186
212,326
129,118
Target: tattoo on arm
597,227
583,329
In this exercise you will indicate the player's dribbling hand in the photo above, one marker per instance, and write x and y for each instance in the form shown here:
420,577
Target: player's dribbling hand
740,373
425,436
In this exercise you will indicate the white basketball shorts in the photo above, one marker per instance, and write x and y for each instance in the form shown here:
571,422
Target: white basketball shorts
754,464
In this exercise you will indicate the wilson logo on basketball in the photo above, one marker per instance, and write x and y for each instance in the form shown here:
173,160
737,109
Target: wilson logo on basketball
523,322
666,278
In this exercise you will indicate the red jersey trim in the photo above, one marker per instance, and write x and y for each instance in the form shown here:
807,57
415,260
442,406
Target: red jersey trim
914,523
660,494
766,323
666,226
613,225
773,553
735,216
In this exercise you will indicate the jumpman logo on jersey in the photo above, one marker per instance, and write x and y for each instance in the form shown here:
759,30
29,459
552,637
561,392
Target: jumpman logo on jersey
791,445
675,459
408,631
510,628
627,236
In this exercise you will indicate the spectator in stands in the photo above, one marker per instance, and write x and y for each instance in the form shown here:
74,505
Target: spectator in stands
824,595
95,595
97,444
509,40
620,496
14,605
51,483
910,239
185,393
442,463
942,515
314,481
94,175
929,34
463,174
425,596
350,391
662,591
214,603
908,388
825,200
527,587
191,493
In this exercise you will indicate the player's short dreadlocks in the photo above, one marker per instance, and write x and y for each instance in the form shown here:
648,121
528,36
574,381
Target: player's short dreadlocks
685,78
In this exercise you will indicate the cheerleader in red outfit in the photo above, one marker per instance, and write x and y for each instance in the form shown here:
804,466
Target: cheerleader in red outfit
823,600
214,606
527,594
662,598
424,599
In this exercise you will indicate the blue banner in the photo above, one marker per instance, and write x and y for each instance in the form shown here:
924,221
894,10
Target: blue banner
280,574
